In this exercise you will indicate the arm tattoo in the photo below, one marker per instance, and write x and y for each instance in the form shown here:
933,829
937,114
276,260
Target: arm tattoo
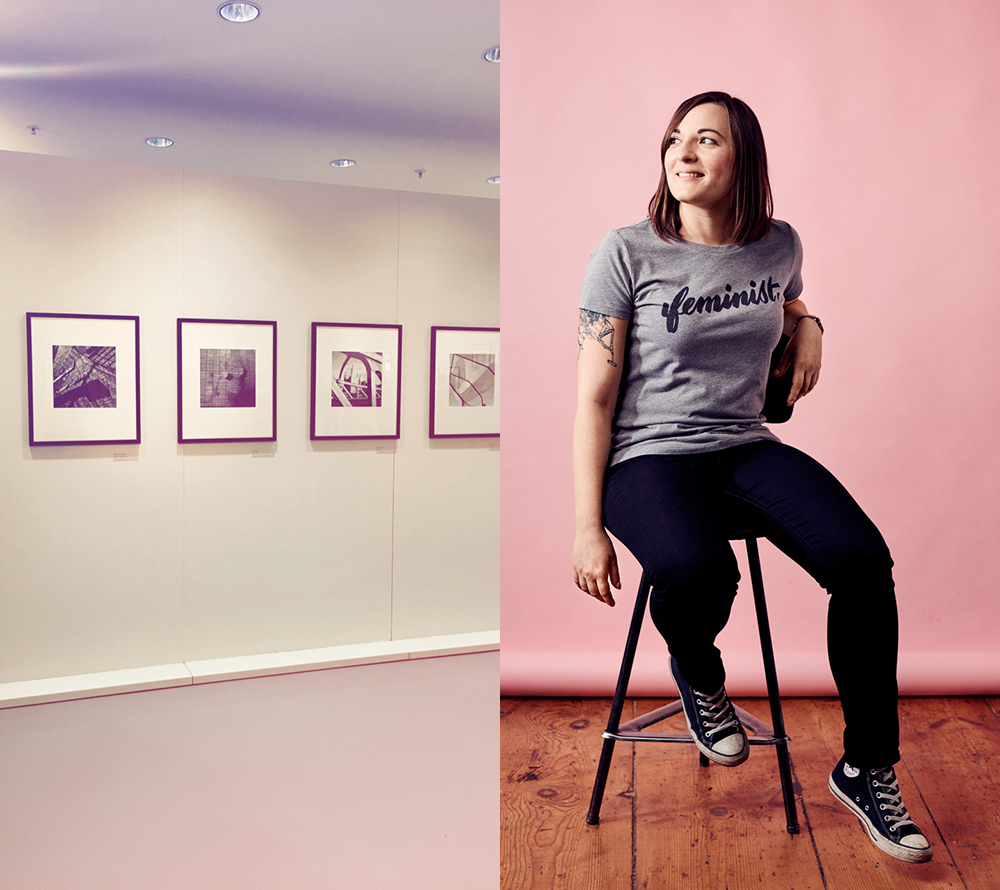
594,326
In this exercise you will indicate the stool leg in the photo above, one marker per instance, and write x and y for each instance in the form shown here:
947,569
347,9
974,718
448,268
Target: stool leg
618,702
771,675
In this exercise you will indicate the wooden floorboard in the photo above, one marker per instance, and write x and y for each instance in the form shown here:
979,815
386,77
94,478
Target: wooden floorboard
954,761
667,822
848,859
716,827
548,756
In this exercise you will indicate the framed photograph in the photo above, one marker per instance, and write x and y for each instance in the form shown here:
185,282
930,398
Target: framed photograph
465,400
83,379
355,381
227,376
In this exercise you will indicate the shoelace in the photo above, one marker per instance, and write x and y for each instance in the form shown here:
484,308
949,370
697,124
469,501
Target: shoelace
718,711
896,816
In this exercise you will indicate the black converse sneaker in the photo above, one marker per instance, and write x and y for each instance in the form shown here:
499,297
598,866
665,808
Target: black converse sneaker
712,722
873,796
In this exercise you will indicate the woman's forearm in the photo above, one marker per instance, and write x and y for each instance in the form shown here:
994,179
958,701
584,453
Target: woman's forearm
591,444
595,566
804,352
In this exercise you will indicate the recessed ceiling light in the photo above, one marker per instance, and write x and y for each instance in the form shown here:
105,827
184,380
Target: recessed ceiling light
492,54
342,162
494,180
159,142
239,12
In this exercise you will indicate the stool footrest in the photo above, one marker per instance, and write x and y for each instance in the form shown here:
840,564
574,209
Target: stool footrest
632,731
676,737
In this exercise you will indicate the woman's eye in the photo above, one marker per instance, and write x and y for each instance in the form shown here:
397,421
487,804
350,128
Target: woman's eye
708,139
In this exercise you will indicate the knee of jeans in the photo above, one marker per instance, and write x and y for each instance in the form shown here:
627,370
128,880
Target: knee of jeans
866,565
695,573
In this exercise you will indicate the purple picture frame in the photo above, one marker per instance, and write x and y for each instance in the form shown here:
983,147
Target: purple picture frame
355,380
464,396
83,379
227,380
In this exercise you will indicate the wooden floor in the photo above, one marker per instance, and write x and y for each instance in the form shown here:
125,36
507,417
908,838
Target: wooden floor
668,823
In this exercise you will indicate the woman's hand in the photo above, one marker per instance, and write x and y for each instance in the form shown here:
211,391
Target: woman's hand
595,564
804,354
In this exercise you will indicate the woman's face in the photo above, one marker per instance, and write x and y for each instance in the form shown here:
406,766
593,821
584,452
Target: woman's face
700,161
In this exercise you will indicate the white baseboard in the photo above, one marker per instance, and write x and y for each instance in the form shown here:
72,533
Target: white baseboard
190,673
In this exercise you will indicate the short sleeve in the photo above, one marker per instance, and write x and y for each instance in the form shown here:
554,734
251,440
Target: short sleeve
793,290
608,282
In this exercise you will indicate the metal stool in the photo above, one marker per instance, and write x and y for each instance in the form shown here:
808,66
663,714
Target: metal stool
760,733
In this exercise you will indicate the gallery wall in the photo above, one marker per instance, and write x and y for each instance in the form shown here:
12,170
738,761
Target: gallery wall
882,145
116,557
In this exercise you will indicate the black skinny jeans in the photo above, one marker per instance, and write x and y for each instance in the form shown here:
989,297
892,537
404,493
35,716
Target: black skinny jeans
673,513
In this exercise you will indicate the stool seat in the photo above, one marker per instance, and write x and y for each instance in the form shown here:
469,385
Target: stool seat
759,732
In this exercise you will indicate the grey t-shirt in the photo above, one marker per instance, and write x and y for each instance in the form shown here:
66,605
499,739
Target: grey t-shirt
703,323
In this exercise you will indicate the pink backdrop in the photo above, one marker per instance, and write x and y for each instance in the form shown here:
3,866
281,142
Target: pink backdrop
882,134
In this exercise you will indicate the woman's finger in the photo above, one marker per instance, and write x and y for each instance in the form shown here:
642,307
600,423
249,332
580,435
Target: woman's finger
601,591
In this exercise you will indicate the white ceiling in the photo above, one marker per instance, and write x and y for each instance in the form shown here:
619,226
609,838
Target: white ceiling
398,85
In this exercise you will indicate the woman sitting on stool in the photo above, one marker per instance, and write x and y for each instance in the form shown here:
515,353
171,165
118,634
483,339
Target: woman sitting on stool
679,314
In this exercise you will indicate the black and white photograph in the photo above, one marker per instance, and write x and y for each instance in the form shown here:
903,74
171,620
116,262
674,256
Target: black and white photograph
83,377
355,366
356,380
464,377
85,362
471,380
228,378
224,363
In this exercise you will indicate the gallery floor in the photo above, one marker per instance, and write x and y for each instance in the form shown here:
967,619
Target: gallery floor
377,777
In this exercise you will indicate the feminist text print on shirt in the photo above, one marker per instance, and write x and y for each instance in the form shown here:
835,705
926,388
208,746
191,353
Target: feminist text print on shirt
682,304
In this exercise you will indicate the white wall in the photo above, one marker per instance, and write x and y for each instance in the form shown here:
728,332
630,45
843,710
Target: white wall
206,551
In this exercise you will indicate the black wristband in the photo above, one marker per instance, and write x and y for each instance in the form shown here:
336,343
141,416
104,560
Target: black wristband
813,317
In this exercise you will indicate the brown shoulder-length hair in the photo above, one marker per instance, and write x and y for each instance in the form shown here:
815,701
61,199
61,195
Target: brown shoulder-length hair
752,208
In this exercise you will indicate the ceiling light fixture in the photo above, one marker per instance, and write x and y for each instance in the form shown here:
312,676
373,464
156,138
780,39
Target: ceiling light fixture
342,162
159,142
494,180
493,54
239,12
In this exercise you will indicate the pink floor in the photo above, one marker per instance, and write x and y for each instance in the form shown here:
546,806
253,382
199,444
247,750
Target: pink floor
364,778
